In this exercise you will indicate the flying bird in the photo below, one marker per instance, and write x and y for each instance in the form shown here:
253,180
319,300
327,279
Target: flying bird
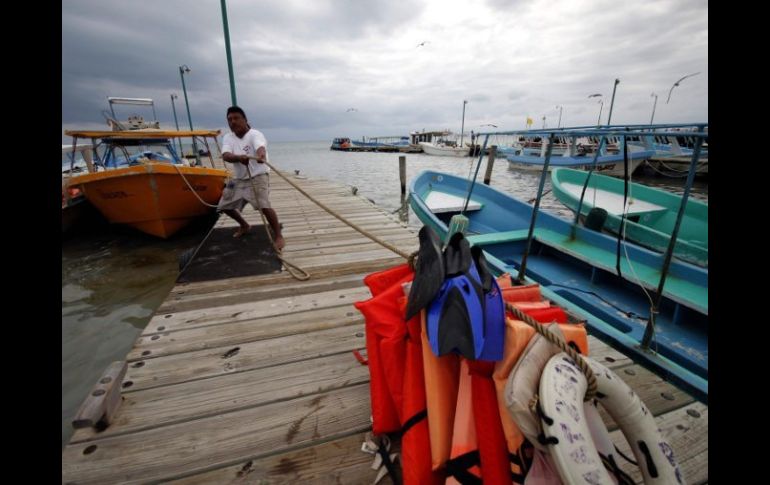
594,95
422,43
490,124
350,109
677,84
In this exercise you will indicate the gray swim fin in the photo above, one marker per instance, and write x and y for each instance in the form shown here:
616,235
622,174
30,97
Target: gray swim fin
429,272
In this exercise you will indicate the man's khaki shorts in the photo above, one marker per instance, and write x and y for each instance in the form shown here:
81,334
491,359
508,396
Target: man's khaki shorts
238,192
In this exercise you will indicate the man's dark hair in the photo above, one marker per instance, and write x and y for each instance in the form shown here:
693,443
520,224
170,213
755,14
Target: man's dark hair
236,109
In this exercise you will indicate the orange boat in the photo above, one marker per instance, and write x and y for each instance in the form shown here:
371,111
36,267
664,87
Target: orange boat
150,190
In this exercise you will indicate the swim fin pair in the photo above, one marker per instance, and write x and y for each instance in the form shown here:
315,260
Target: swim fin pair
465,312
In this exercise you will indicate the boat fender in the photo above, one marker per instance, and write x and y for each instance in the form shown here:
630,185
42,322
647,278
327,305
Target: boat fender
595,219
522,385
574,451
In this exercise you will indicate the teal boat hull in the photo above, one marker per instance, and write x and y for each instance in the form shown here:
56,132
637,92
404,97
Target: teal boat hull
651,213
579,273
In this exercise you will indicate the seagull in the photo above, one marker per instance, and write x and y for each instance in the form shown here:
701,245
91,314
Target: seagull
422,43
594,95
490,124
350,109
677,84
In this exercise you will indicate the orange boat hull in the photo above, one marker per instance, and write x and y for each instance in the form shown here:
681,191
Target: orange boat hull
152,197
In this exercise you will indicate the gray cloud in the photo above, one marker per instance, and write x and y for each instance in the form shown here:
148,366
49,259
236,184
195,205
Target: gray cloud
300,65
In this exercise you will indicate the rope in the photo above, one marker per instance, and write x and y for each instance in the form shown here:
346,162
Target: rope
293,269
191,188
371,236
582,364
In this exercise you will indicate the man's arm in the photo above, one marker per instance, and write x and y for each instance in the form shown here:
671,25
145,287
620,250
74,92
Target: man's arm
229,157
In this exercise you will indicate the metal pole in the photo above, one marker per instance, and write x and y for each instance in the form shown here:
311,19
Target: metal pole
558,125
523,267
601,106
648,331
612,102
176,122
227,50
182,69
462,127
653,106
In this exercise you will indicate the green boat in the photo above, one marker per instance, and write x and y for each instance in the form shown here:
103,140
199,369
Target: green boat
650,216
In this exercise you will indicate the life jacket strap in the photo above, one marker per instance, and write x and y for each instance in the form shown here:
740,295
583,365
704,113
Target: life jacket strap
459,468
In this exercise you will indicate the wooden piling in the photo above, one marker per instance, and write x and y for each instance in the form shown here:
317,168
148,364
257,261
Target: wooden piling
490,164
402,172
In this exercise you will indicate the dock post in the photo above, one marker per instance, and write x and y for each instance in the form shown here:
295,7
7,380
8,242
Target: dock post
402,172
490,164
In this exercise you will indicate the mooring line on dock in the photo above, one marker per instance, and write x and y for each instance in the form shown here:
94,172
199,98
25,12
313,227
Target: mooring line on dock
374,238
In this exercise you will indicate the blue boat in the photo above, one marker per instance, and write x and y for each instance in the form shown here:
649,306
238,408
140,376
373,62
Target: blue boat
572,154
577,269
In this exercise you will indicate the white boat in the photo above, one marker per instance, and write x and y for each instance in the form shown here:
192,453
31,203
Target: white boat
444,149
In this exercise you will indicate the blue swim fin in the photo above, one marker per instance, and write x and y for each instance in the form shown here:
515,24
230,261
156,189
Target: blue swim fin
455,318
493,308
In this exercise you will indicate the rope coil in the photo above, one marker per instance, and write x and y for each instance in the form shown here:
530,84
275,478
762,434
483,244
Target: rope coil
582,364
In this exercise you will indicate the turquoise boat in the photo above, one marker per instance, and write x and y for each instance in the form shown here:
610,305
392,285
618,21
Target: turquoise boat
650,216
580,270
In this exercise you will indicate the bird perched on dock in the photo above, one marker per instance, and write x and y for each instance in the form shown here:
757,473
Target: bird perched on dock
677,84
422,43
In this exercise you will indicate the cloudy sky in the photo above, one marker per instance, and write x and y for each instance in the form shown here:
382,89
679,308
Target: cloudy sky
300,65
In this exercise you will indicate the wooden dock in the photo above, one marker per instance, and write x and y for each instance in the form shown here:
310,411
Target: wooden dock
253,379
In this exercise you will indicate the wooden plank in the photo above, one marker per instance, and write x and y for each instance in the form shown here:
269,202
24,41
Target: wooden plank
606,355
338,461
356,257
658,395
241,357
242,332
103,401
686,430
254,310
207,397
406,245
227,439
231,296
325,271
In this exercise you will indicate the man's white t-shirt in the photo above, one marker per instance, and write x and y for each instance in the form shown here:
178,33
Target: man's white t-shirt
247,145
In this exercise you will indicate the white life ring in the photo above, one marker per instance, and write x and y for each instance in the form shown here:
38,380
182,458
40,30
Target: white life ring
574,452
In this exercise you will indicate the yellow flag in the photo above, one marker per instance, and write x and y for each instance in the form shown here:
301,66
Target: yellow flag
529,121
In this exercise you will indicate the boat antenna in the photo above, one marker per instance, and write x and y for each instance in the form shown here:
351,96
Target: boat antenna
536,208
459,222
648,331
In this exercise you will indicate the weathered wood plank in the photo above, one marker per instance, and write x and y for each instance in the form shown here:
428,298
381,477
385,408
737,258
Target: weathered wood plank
686,430
340,461
606,355
104,399
207,397
242,332
231,296
222,440
318,272
240,357
253,310
658,395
